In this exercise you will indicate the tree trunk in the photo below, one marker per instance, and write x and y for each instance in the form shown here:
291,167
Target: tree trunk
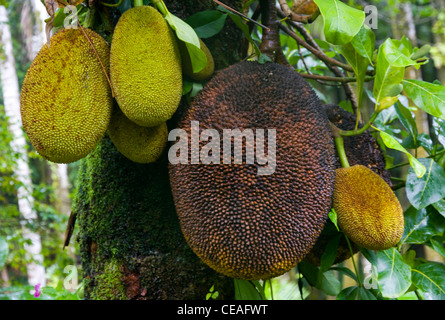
130,239
11,95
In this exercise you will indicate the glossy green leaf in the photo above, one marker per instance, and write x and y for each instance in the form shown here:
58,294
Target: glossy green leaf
394,275
427,96
356,293
333,217
438,246
185,33
429,277
330,253
329,283
407,120
358,63
364,43
207,23
392,143
440,206
421,225
392,58
4,250
428,189
246,290
341,22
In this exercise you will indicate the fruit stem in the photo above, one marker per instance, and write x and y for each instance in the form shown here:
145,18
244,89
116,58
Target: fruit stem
139,3
160,5
339,145
356,132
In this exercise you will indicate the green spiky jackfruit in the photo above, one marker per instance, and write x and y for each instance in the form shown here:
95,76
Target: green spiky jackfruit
139,144
145,66
368,211
66,99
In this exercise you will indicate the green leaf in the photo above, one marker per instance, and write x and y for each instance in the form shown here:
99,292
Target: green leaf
407,120
349,293
341,22
429,277
330,253
392,143
438,246
333,217
358,63
4,250
394,275
427,96
185,33
421,225
246,290
427,189
329,284
440,206
364,43
392,58
207,23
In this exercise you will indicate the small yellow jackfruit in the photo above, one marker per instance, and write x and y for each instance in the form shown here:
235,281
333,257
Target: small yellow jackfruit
145,66
368,211
139,144
66,99
187,63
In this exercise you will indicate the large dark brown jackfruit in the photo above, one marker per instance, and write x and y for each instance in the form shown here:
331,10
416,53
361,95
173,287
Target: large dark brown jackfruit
246,225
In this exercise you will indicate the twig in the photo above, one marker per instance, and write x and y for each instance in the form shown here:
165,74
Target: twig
315,51
98,57
240,14
329,78
292,15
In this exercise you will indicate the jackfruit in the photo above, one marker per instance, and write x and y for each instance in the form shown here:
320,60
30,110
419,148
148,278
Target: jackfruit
145,66
187,64
368,211
362,149
66,99
139,144
242,224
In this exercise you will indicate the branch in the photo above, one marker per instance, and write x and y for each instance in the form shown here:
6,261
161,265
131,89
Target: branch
329,78
296,17
270,41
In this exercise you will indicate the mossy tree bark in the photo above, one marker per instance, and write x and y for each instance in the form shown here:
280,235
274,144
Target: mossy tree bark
130,239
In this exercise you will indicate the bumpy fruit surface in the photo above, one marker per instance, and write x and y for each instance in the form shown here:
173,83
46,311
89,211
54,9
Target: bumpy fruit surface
368,211
139,144
66,99
145,66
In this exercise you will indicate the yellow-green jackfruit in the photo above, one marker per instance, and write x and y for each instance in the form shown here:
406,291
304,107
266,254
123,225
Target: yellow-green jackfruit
66,99
187,63
145,66
139,144
368,211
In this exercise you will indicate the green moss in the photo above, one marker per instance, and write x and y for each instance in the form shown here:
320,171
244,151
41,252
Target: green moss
109,284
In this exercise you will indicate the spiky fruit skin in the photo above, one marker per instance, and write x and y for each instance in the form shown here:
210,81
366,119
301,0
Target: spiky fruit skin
139,144
239,223
145,67
187,67
66,99
368,211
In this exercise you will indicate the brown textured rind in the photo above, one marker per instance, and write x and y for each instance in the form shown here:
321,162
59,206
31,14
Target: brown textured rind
362,149
241,224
